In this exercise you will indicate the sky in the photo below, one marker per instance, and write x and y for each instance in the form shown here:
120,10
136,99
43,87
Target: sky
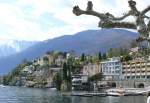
47,19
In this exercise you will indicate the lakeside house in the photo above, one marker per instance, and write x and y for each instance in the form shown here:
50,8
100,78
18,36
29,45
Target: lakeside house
91,69
112,69
136,69
79,82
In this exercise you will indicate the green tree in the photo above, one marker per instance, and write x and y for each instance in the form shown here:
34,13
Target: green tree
99,56
104,57
58,81
5,80
126,58
96,77
95,59
45,59
69,77
117,52
70,68
110,53
65,68
83,57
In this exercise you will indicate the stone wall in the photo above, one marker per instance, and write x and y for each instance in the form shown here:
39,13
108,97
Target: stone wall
131,83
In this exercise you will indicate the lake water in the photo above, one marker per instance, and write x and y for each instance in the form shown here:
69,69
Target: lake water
30,95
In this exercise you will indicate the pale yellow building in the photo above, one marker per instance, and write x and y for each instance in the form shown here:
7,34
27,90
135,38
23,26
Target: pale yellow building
136,69
46,59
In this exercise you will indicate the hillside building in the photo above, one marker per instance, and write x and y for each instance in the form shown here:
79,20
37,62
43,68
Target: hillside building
91,69
136,69
112,69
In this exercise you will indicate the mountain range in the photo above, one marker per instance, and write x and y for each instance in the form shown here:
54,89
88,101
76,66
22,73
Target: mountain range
89,42
9,46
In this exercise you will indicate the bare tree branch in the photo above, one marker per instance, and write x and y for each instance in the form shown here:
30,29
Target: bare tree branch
128,25
148,26
108,20
77,11
132,5
121,18
145,10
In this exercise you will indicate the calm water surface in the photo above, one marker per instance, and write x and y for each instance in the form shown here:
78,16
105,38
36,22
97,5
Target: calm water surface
28,95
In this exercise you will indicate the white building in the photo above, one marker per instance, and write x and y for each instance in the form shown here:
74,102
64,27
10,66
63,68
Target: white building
78,81
28,69
112,69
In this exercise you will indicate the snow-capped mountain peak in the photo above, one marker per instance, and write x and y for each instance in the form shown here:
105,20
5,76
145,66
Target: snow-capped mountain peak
10,46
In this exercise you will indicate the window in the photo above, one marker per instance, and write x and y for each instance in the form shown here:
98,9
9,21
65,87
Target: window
128,77
148,77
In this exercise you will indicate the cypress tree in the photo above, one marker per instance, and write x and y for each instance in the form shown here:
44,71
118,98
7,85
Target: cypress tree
83,57
104,56
99,56
65,71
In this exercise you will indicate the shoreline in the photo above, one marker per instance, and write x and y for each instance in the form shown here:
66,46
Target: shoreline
109,92
117,92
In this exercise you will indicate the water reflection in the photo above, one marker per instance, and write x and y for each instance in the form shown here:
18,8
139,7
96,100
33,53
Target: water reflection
134,99
28,95
130,99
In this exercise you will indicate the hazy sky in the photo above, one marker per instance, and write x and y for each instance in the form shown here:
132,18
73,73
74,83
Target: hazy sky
45,19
